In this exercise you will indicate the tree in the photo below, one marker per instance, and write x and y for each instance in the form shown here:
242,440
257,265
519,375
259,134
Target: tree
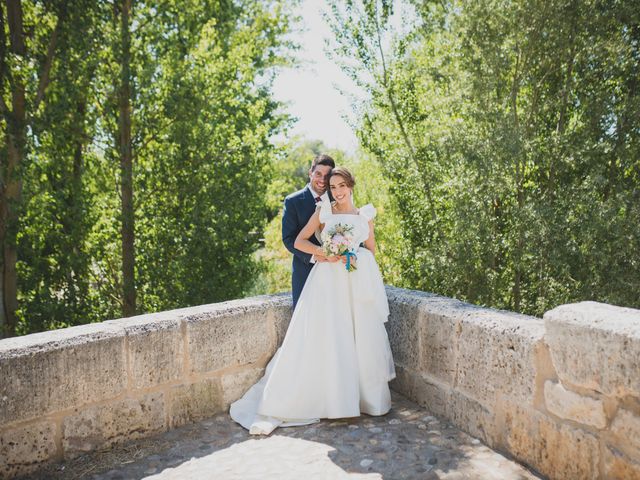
25,66
519,116
202,149
124,147
187,129
54,268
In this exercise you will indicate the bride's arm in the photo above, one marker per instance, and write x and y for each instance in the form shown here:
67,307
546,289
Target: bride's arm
302,242
370,243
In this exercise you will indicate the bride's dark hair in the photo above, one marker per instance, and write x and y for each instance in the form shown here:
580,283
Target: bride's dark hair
349,179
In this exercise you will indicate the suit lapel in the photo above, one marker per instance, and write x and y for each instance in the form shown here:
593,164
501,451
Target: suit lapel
307,195
308,201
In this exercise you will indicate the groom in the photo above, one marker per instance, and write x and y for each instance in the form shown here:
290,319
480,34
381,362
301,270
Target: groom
298,209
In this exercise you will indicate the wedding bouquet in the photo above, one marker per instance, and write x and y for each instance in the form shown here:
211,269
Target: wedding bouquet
337,240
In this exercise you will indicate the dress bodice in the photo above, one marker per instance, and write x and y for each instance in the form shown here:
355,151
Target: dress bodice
359,221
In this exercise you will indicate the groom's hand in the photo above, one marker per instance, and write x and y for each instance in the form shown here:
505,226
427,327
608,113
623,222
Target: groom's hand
320,258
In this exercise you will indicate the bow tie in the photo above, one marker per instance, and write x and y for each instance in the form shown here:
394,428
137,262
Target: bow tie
318,199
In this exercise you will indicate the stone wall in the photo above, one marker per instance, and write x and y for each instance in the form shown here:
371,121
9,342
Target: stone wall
560,394
69,391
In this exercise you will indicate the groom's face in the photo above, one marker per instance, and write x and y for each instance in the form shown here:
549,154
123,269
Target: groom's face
317,177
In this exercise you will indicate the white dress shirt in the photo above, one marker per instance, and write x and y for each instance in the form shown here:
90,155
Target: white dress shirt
323,197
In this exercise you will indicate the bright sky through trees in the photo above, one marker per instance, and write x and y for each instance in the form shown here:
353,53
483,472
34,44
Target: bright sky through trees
310,89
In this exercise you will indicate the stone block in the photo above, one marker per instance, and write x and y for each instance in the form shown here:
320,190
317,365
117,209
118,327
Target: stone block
573,406
51,371
557,451
619,467
422,389
596,346
25,449
403,383
626,426
431,394
496,354
403,326
156,348
281,316
195,401
228,334
440,318
107,424
472,417
234,385
438,354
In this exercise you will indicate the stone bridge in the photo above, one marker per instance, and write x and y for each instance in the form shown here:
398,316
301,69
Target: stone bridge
559,395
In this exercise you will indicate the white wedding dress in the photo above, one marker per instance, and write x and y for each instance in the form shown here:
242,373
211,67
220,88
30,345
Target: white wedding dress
335,360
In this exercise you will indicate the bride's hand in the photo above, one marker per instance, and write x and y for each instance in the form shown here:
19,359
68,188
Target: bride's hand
353,260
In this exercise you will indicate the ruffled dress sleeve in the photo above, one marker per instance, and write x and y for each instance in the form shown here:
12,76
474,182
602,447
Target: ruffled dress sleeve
368,211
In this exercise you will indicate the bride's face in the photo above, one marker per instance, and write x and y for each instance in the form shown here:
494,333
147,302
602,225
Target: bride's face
339,189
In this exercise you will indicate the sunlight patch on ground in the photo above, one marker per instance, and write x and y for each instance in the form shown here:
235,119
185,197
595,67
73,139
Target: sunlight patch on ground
272,457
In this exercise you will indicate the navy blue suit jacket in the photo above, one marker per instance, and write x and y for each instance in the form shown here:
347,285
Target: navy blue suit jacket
298,209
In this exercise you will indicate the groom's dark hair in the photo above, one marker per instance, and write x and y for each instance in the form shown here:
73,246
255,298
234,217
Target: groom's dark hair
323,159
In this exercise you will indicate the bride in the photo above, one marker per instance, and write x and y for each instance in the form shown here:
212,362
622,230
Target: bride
335,360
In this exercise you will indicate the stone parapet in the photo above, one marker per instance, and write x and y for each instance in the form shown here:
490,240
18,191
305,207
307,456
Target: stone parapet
560,394
69,391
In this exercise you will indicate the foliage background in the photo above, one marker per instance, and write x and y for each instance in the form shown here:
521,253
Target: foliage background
499,141
509,133
203,118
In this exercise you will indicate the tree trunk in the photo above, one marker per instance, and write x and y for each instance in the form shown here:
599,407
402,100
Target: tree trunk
9,216
564,107
519,180
16,122
126,166
4,110
73,222
11,178
625,121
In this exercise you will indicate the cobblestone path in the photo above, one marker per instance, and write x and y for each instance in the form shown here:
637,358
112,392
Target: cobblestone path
407,443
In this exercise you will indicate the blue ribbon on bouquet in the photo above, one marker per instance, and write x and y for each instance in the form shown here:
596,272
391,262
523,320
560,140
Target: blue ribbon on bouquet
349,254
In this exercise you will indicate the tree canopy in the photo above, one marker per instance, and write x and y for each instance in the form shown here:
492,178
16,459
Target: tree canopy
130,123
509,132
138,169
